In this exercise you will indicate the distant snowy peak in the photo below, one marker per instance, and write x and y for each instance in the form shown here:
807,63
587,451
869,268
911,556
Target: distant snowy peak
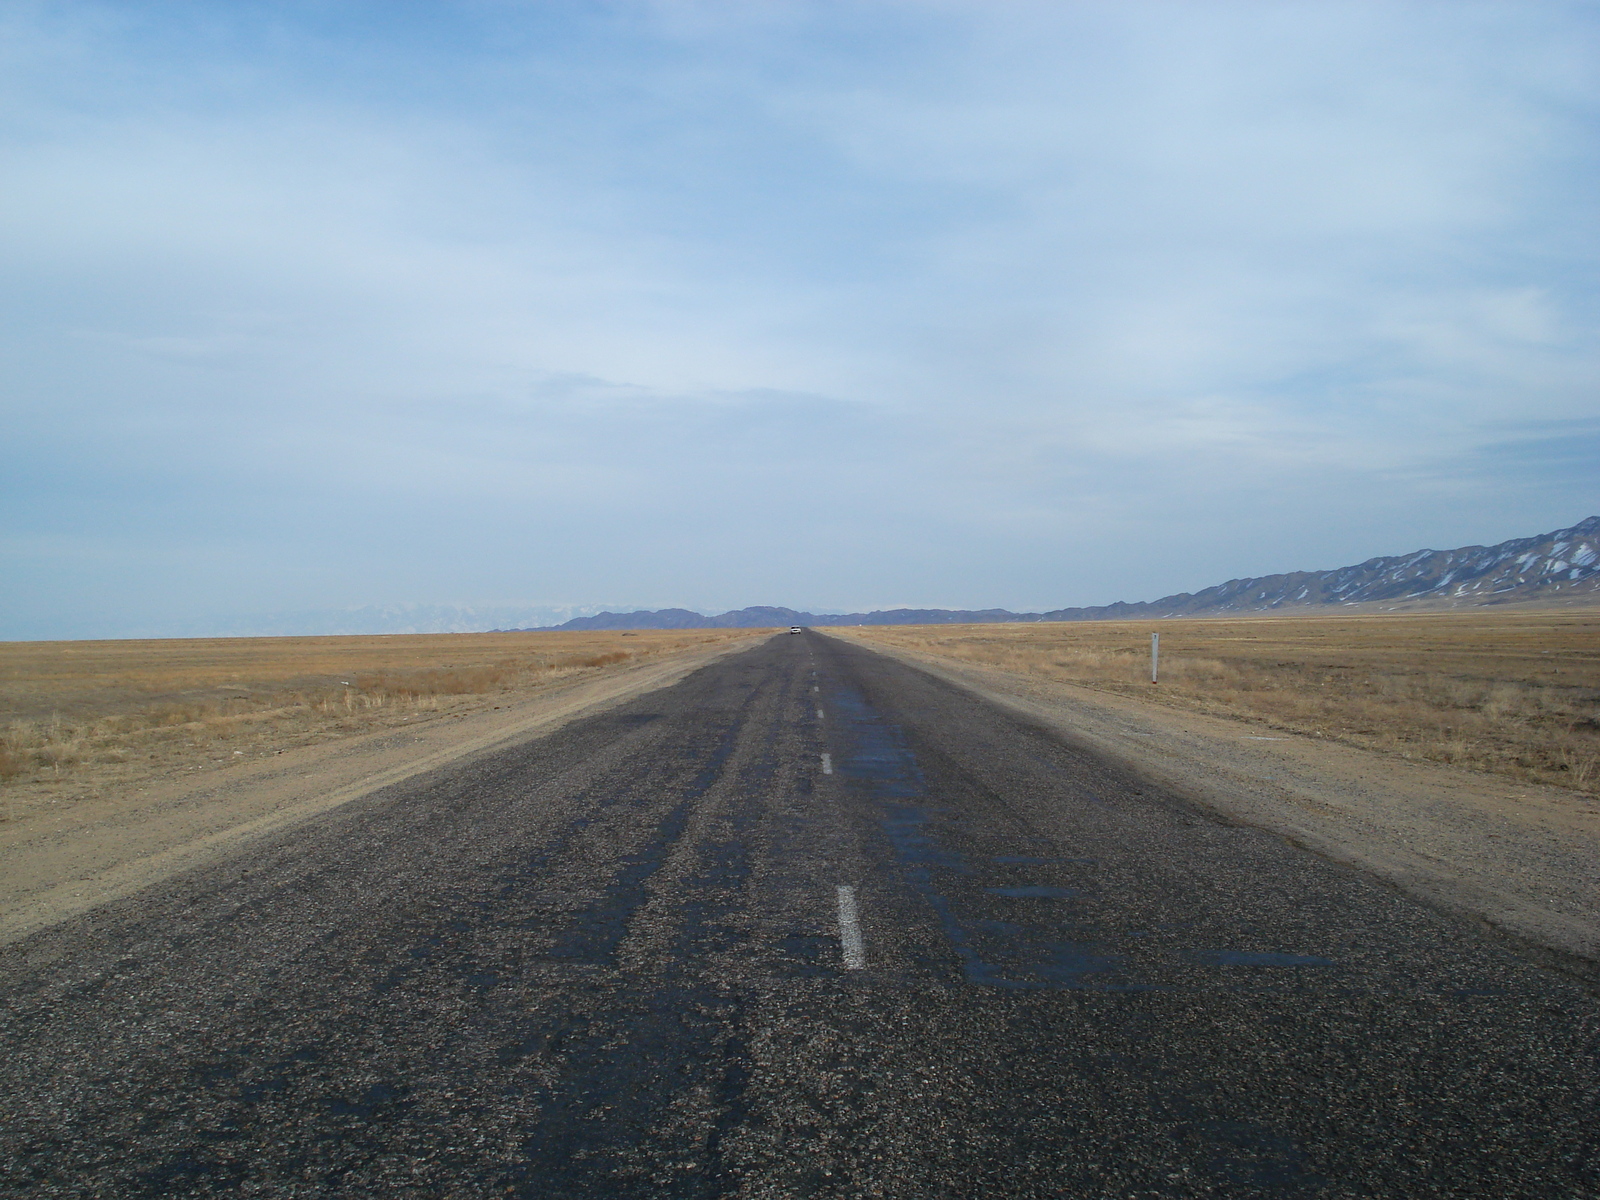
1547,565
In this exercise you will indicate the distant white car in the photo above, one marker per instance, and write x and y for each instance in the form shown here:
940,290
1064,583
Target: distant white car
794,629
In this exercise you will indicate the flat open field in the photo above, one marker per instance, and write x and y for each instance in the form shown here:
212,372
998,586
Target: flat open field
1516,692
80,718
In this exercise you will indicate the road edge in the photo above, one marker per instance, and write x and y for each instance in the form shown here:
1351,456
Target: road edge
1551,937
548,712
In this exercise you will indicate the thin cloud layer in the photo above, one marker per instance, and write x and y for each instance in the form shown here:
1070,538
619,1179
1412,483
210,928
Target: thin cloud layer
837,306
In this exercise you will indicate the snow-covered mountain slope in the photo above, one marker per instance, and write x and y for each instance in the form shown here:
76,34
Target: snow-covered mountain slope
1549,565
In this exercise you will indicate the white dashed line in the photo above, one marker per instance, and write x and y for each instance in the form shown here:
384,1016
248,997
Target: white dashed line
851,944
827,764
819,717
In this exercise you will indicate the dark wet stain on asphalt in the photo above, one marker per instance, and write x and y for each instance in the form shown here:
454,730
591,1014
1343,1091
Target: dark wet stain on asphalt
1008,953
1259,958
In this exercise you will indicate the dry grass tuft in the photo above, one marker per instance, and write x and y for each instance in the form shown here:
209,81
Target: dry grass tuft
1516,693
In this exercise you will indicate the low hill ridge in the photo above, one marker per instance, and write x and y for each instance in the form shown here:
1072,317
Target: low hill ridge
1565,562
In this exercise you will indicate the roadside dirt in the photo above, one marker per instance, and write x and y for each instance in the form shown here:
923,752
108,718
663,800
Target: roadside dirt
1522,859
62,862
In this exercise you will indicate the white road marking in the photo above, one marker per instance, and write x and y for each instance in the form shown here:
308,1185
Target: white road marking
819,717
827,764
851,943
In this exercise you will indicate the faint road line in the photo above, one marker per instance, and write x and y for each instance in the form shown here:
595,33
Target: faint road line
851,943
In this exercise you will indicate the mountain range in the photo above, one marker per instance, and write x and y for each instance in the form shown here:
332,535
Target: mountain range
1564,564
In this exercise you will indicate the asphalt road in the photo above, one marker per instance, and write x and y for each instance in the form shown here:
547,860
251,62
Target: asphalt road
609,964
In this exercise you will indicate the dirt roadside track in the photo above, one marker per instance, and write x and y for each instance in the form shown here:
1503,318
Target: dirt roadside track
56,866
1521,859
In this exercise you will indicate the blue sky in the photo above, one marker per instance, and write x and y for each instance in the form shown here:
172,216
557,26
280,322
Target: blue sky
831,305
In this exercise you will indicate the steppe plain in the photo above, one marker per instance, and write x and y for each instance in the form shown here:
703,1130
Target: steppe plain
79,720
128,762
1450,754
1456,754
614,961
1511,691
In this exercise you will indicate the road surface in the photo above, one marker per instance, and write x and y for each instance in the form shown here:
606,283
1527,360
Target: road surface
809,923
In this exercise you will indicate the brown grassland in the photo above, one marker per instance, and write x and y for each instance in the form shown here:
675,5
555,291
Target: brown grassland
1515,692
80,718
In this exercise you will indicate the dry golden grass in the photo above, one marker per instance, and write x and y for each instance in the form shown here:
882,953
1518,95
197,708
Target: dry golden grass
1513,692
77,717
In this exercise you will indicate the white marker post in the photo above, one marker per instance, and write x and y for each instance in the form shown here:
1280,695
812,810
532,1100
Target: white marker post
1155,655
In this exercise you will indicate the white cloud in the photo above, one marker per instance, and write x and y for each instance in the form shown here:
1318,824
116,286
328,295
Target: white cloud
952,294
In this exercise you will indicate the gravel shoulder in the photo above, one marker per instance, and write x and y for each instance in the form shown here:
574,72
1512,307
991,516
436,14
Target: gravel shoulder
59,864
1523,860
